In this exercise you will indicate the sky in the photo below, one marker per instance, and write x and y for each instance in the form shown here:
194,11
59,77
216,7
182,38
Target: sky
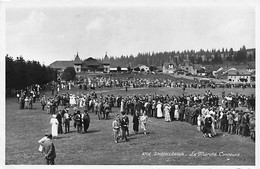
50,33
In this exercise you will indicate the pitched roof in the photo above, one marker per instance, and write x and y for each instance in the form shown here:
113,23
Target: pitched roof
212,67
239,73
106,60
143,66
244,72
90,62
61,64
77,60
232,72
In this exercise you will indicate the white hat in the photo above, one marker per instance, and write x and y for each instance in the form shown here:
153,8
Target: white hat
54,115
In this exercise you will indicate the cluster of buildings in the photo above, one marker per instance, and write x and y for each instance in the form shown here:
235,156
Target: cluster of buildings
230,74
90,65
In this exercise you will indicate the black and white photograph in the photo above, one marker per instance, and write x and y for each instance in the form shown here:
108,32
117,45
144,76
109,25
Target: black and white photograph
132,83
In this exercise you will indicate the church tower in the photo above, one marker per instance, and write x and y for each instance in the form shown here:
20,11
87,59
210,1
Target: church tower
77,63
106,64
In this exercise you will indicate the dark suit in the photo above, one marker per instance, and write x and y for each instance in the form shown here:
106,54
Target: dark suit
59,118
49,151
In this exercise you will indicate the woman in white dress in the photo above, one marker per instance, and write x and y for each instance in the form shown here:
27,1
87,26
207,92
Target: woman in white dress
54,126
176,112
122,106
144,120
212,113
80,102
72,100
199,119
159,110
167,108
26,101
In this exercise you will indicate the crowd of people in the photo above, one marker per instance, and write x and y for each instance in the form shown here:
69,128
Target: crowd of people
231,114
88,83
207,110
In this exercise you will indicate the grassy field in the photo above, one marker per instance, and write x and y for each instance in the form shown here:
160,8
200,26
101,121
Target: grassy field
167,143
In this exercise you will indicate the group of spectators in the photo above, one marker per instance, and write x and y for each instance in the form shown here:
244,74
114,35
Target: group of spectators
27,97
208,111
231,114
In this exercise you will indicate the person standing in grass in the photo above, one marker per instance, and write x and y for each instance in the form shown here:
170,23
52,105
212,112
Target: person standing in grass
208,125
136,122
244,124
167,108
48,106
116,128
43,102
125,117
124,126
176,112
67,119
237,121
78,120
54,126
59,118
41,141
49,150
159,110
154,114
230,123
144,120
199,119
86,121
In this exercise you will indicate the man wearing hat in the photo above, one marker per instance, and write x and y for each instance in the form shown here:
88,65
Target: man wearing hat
59,118
245,124
116,127
67,119
49,150
124,126
78,120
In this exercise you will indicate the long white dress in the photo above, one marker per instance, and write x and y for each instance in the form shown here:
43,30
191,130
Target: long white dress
167,113
81,101
143,120
122,106
159,110
54,127
72,100
176,112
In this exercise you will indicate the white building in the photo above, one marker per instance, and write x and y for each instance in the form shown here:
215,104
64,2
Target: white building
145,68
168,68
239,76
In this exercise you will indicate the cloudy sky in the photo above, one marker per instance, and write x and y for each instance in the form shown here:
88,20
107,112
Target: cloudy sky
46,33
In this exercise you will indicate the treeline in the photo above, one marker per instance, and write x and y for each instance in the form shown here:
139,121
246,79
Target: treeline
196,57
21,74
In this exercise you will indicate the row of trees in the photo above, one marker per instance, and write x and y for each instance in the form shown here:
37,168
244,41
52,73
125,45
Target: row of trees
21,74
200,57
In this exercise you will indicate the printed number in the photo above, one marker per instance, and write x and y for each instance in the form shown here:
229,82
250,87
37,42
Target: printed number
146,154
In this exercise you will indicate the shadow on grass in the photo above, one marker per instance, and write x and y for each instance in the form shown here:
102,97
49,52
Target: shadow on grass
91,131
61,137
219,135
